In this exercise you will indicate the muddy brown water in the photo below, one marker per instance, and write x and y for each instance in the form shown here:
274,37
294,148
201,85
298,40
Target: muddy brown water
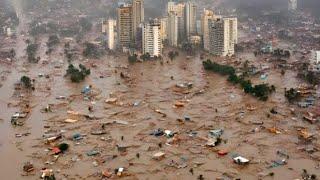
150,84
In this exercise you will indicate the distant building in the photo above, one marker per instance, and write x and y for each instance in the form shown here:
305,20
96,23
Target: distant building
190,19
292,5
104,26
198,27
172,30
206,16
137,15
195,40
315,57
125,25
9,32
223,36
163,28
111,34
171,7
151,39
138,39
180,10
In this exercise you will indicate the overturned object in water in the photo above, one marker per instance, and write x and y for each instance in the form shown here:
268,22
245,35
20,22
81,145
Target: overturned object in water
86,90
241,160
159,155
216,133
184,85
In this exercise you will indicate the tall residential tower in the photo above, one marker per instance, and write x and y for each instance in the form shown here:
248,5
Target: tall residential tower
206,16
110,32
172,29
137,15
151,39
223,36
124,25
190,19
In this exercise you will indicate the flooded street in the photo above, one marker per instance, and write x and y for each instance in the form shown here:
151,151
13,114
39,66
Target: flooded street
156,119
145,102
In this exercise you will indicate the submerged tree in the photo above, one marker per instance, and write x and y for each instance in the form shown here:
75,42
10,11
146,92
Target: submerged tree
173,54
77,75
261,91
292,95
26,81
145,57
31,52
132,58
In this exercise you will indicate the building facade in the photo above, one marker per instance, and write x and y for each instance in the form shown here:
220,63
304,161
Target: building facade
180,11
111,34
222,36
163,28
151,39
124,25
172,29
206,16
137,15
315,57
190,19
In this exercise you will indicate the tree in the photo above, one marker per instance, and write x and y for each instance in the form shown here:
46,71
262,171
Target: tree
77,75
187,47
292,95
145,57
26,81
132,58
247,86
31,52
12,53
260,91
245,68
233,78
312,78
53,40
173,54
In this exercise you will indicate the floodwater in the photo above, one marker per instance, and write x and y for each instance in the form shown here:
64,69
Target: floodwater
212,103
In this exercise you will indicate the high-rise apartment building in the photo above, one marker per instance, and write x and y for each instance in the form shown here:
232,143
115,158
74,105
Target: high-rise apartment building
151,39
233,23
223,36
171,6
172,29
137,15
163,28
206,16
111,35
124,25
179,10
190,19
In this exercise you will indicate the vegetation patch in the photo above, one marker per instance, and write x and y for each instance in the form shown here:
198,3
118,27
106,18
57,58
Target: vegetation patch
77,75
261,91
